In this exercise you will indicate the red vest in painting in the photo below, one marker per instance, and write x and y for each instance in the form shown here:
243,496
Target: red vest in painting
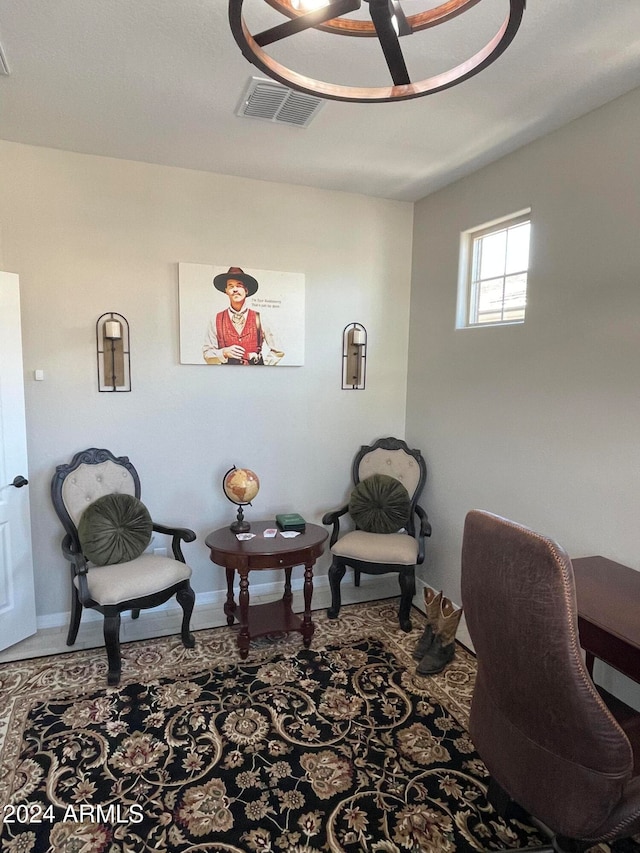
250,338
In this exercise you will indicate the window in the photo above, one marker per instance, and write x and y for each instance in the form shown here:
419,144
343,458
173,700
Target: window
494,261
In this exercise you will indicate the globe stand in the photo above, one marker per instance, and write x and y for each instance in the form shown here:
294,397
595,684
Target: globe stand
240,525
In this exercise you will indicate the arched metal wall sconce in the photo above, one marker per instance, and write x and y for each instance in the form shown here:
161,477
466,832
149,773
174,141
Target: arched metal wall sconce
354,357
112,345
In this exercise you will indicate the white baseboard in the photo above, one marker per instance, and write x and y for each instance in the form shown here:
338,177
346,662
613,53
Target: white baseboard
165,619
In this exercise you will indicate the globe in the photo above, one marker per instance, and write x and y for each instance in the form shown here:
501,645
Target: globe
241,485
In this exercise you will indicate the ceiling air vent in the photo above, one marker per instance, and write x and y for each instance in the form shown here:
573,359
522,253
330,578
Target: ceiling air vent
269,101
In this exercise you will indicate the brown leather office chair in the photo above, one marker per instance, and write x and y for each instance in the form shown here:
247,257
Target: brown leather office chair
545,734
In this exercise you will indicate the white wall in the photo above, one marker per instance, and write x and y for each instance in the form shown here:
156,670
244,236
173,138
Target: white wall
538,422
90,234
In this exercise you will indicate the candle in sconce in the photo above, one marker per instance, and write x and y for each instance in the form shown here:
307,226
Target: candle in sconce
112,330
357,337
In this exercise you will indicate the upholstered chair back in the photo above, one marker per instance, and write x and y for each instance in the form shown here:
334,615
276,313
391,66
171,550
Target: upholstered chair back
92,474
537,720
90,482
395,463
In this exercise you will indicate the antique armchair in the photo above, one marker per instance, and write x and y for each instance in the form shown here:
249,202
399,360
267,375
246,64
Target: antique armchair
97,498
549,741
388,478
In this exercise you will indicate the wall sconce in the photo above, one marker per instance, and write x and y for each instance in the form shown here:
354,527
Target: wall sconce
112,345
354,357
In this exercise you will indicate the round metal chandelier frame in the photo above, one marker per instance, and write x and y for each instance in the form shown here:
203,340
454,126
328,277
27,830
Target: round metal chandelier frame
388,23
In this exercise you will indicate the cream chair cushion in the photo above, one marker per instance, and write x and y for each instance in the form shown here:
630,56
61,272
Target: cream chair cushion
395,548
137,578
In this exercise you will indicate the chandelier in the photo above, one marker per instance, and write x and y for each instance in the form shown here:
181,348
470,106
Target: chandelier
388,21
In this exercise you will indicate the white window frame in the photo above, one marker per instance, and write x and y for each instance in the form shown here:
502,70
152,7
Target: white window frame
467,288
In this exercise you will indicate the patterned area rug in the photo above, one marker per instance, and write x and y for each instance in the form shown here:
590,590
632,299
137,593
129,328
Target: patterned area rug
341,747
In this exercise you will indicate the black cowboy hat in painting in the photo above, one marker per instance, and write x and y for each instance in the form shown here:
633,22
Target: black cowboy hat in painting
235,273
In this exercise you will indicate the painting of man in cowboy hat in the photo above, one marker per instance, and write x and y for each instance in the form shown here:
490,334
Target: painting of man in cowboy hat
238,335
256,316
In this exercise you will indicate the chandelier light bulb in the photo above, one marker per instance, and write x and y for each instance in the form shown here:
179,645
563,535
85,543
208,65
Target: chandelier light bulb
309,5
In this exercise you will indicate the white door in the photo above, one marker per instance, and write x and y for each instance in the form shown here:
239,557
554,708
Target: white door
17,599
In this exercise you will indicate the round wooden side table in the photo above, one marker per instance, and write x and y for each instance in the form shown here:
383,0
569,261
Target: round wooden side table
258,553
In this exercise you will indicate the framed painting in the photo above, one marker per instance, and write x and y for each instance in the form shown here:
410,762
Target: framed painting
235,316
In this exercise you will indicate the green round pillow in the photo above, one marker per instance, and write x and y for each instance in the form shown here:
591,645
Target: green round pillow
380,504
114,529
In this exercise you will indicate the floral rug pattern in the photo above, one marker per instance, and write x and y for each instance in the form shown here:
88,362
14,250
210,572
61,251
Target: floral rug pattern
340,747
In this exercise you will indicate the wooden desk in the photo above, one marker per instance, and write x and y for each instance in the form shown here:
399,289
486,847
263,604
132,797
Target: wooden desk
608,597
262,553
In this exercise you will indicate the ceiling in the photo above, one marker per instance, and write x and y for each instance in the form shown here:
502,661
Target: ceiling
159,81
